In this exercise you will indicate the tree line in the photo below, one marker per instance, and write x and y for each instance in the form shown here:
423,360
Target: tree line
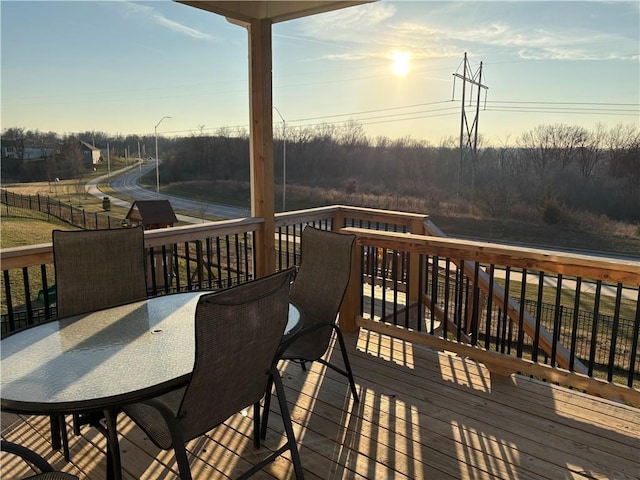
553,170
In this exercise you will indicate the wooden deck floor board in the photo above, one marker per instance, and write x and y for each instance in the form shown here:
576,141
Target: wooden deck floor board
541,398
422,415
442,412
534,421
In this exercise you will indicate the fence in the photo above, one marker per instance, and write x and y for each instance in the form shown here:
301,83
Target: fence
12,203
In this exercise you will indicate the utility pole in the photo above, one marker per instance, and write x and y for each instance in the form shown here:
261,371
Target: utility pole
469,132
284,160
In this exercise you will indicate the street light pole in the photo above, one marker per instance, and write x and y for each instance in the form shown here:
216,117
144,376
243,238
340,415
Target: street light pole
284,160
108,162
155,131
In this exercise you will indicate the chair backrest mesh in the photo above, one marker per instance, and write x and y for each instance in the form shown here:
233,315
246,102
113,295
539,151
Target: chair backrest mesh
319,286
238,331
97,269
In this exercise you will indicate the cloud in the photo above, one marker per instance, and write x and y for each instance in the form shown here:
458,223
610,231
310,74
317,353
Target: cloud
436,30
349,24
147,12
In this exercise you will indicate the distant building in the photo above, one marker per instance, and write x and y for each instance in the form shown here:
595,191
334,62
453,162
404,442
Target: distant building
17,150
10,149
90,154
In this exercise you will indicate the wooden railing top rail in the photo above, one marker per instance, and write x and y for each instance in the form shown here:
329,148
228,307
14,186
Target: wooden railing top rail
26,256
34,255
190,233
612,270
303,216
384,216
361,213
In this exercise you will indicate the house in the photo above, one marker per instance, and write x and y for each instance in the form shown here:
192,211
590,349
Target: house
151,214
90,154
11,148
17,150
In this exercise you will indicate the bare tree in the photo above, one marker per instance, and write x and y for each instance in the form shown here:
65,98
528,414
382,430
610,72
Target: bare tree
69,160
590,155
624,148
551,147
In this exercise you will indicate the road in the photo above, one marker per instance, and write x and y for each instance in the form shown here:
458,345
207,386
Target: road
125,182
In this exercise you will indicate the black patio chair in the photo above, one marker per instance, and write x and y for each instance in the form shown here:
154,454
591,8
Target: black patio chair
95,269
237,333
318,290
36,462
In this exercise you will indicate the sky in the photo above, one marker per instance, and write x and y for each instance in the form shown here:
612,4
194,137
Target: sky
392,67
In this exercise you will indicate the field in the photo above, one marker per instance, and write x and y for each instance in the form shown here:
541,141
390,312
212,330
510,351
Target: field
19,231
487,229
539,235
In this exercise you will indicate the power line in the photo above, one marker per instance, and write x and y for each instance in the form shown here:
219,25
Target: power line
500,106
565,103
569,112
364,112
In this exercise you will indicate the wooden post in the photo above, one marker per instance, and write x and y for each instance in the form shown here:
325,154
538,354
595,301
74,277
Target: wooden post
261,134
350,307
417,228
337,222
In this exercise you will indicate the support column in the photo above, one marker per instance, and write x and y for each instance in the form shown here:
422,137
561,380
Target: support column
261,143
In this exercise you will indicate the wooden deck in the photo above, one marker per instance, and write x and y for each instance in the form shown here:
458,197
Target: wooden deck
422,415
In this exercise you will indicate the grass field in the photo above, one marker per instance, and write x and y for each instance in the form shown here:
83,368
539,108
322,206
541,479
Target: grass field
539,235
20,231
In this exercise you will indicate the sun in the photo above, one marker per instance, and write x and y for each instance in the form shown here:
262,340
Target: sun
401,63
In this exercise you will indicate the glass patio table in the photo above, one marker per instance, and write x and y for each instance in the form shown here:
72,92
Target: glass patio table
100,361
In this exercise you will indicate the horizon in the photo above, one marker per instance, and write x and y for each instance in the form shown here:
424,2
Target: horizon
118,67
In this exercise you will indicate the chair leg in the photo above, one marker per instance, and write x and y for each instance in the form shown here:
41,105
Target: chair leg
288,427
290,445
347,366
265,410
177,439
183,462
256,425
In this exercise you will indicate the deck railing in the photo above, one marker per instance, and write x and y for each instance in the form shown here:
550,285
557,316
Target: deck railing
572,319
205,256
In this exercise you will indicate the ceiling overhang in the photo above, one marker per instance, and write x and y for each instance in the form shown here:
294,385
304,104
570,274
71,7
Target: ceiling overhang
276,11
